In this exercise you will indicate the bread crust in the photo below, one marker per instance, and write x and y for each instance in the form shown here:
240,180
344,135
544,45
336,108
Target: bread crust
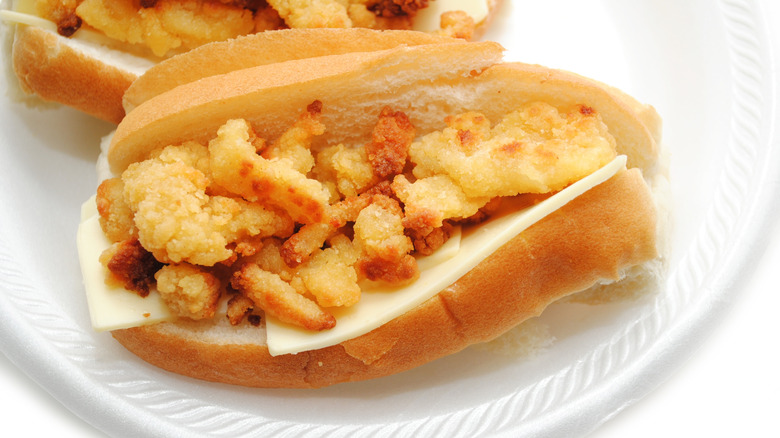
567,252
54,71
266,48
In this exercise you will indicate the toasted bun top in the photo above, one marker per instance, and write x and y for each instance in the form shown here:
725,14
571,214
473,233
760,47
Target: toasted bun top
266,48
427,82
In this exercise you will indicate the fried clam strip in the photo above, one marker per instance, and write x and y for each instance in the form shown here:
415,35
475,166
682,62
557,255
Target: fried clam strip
178,222
279,299
536,149
429,201
309,238
327,278
345,171
116,217
359,174
239,306
236,166
391,138
330,275
383,247
188,290
166,26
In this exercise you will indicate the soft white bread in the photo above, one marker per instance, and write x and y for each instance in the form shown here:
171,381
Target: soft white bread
594,239
84,72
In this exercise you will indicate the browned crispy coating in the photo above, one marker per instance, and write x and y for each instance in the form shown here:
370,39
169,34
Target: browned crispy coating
189,291
309,238
69,24
396,8
384,248
236,166
428,243
391,139
116,217
238,307
276,297
457,24
131,265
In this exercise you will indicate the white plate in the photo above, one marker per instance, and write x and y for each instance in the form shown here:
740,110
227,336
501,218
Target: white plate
707,67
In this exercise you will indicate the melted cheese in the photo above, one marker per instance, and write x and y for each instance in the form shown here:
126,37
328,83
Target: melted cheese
429,19
113,308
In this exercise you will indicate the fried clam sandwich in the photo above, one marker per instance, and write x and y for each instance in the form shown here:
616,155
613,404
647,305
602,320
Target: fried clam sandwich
348,217
85,53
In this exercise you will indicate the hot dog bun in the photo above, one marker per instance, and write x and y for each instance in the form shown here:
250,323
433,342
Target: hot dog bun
90,71
592,240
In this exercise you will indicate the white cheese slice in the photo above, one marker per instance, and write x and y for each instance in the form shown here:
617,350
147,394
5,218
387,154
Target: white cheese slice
429,19
111,307
378,306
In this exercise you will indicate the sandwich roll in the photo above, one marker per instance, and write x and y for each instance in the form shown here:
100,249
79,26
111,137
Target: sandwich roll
86,53
282,199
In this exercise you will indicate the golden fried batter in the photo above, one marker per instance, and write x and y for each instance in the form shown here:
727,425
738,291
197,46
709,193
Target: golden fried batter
536,149
238,307
177,221
390,143
116,217
312,13
347,168
276,297
169,25
236,166
383,246
330,275
431,200
302,244
188,290
457,24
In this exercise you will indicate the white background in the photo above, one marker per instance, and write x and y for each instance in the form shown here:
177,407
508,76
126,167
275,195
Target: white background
730,386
